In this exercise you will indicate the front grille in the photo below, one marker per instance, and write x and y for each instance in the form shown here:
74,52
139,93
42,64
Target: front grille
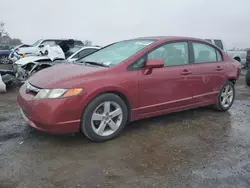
31,89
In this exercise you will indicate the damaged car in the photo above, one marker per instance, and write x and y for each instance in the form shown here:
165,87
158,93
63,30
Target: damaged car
29,50
47,57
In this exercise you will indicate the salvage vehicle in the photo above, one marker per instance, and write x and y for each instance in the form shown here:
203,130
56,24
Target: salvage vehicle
238,55
126,81
25,67
4,54
38,45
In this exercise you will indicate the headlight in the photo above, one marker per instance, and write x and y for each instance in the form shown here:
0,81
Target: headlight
57,93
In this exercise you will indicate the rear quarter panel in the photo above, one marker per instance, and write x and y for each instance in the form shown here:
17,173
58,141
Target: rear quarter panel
233,69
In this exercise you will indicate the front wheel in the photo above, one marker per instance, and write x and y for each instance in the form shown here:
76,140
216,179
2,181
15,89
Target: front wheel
226,97
104,118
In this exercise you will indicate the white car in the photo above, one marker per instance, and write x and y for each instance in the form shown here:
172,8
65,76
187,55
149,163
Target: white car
239,56
26,66
20,52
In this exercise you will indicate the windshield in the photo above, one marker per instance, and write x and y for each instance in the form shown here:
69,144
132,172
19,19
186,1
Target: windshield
117,52
36,43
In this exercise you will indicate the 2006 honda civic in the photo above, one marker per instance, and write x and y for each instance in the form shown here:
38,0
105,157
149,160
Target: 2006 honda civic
127,81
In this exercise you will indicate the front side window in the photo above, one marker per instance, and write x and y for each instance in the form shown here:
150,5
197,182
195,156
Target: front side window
118,52
172,54
204,53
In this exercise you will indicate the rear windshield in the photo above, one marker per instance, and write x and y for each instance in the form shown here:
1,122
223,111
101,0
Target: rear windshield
116,53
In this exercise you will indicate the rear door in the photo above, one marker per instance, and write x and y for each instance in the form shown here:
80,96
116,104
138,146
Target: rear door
166,88
209,70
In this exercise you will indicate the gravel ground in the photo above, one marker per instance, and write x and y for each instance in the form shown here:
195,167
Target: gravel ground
195,148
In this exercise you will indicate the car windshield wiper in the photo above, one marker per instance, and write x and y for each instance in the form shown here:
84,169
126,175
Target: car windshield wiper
94,63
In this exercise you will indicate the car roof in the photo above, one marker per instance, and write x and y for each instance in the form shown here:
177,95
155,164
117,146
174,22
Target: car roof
168,38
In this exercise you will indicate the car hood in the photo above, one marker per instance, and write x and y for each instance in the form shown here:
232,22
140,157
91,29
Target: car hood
26,60
63,76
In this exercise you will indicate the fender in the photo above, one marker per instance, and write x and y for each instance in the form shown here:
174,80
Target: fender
89,96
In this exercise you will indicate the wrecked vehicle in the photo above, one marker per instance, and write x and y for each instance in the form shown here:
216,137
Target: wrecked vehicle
48,57
28,50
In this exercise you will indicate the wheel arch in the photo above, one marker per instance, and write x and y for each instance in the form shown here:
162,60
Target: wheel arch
233,80
237,58
117,91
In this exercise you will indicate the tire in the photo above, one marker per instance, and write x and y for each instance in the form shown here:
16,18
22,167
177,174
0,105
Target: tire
4,59
248,77
220,106
91,127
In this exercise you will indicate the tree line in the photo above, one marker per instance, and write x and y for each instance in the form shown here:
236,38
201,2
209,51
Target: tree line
6,42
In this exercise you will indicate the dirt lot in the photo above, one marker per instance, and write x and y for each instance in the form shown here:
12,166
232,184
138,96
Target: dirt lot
195,148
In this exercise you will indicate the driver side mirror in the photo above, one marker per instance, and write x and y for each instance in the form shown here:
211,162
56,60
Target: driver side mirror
153,64
41,46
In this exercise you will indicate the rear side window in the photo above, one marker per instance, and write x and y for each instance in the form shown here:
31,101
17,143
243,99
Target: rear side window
219,44
204,53
219,57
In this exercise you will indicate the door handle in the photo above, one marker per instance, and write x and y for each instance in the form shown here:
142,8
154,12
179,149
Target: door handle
186,72
218,68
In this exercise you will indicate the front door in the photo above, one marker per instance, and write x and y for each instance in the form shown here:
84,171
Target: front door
169,87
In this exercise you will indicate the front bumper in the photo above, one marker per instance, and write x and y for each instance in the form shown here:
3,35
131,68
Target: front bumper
50,115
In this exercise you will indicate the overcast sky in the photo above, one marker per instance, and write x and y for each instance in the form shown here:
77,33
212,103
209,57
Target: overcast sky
106,21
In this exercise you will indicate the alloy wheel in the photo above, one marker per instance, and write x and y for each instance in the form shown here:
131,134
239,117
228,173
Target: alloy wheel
227,96
107,118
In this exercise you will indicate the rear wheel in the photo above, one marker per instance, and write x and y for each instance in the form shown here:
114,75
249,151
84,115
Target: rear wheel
248,77
226,97
104,118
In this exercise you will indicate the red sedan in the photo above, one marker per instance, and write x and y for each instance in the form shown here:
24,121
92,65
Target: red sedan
127,81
